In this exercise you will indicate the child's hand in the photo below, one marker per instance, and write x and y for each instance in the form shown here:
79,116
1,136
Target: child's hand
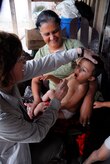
46,77
98,104
40,77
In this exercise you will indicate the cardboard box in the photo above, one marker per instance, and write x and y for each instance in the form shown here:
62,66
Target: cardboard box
33,39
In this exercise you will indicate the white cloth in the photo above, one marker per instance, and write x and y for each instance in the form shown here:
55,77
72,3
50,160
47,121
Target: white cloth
67,114
107,143
15,131
67,9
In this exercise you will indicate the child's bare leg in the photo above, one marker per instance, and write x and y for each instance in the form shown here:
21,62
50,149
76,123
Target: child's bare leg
40,108
50,94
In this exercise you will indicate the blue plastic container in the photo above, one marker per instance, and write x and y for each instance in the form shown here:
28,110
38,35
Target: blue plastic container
65,23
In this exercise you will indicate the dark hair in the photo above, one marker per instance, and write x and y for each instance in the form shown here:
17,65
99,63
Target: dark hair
99,67
45,16
10,51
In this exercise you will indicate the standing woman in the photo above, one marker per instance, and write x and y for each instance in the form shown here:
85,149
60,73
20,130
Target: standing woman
48,23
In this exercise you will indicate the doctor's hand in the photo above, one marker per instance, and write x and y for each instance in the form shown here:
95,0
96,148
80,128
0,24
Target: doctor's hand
61,90
87,53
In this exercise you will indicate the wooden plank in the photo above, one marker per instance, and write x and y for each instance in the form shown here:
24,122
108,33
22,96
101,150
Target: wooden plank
74,28
13,15
30,14
84,35
95,12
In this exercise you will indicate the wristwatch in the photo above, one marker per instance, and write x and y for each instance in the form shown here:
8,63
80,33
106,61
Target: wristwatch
82,54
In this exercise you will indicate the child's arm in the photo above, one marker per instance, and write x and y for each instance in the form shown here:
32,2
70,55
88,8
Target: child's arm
56,80
36,89
98,104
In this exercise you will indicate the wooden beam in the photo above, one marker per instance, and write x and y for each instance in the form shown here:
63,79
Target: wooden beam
30,14
13,16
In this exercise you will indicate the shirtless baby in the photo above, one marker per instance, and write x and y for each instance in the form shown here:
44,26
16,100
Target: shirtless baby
78,83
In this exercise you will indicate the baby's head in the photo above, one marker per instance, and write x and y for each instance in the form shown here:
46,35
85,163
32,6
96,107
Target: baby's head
87,70
98,67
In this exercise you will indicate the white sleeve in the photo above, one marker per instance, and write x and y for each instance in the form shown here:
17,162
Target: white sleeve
14,128
107,143
48,63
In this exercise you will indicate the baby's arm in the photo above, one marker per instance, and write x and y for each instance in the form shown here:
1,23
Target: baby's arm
56,80
99,104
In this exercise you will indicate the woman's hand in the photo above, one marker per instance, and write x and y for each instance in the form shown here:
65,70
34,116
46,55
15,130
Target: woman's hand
40,108
31,107
87,54
29,110
61,90
98,104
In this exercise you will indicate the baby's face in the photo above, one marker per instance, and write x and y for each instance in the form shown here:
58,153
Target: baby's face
84,70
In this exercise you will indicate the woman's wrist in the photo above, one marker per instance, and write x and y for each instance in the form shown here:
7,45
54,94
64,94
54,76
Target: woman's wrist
80,51
55,104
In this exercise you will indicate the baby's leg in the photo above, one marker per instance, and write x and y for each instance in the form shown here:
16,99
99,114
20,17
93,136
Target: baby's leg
50,94
40,108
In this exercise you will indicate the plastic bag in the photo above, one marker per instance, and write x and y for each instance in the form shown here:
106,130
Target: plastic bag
67,9
28,97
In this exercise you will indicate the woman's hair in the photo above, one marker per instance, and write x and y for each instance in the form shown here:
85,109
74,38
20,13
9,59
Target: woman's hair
46,16
10,52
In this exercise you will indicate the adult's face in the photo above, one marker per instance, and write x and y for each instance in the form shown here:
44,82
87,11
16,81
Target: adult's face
51,34
17,72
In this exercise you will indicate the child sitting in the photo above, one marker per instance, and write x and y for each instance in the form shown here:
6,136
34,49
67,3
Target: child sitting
77,82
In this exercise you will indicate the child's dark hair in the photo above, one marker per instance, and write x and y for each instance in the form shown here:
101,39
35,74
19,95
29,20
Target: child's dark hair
99,67
45,16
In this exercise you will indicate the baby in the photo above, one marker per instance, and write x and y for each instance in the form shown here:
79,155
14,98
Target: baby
77,82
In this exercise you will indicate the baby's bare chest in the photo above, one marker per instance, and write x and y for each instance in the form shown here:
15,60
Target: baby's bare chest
75,88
